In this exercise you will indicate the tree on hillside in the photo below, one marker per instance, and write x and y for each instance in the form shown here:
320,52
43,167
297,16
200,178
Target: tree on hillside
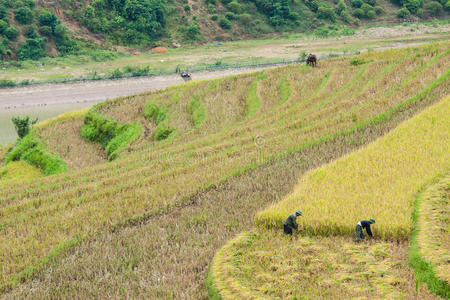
33,49
24,15
23,125
341,7
48,18
434,8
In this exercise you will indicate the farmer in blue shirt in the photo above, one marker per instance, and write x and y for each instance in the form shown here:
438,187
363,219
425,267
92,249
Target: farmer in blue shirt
291,222
359,229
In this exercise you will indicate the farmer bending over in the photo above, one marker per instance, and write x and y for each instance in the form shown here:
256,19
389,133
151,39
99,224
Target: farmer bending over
359,229
291,222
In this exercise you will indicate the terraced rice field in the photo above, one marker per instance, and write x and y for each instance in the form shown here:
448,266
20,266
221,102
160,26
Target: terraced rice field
221,131
268,264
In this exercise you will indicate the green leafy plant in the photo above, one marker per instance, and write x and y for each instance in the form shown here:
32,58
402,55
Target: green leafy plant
24,15
224,23
32,150
23,125
110,134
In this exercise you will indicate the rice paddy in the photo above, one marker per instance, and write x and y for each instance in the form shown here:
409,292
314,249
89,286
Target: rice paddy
222,129
268,264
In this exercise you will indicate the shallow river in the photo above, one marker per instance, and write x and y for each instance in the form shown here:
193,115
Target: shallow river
7,131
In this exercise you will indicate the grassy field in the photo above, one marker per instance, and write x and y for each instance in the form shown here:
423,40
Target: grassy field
17,172
429,255
268,264
210,56
434,238
246,122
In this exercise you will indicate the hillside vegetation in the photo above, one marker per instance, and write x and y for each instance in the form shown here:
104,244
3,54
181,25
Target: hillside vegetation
219,131
32,29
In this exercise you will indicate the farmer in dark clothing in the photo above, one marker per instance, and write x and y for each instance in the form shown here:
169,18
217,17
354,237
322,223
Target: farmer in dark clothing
359,229
291,222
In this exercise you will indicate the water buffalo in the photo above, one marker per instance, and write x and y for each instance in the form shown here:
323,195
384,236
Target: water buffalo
311,60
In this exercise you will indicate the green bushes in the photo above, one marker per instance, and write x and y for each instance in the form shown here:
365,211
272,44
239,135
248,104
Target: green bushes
33,49
110,134
192,31
48,18
234,6
371,14
357,3
162,132
326,13
32,150
127,21
159,115
403,13
11,32
45,30
24,15
413,5
341,7
224,23
434,8
378,10
245,18
278,11
7,82
38,28
230,16
333,30
357,61
358,12
3,26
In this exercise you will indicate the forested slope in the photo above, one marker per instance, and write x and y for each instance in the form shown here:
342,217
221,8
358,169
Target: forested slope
32,29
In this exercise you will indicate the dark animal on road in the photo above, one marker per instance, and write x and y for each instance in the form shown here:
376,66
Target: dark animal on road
311,60
185,75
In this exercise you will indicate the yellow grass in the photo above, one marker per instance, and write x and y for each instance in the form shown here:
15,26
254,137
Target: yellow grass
379,181
434,227
63,117
270,265
18,171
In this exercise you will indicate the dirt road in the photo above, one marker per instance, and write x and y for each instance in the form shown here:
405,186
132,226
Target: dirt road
96,91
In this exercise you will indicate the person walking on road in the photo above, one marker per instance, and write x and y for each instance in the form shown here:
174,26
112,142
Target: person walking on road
359,229
291,222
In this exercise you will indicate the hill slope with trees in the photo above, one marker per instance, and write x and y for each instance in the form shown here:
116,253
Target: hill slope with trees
32,29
